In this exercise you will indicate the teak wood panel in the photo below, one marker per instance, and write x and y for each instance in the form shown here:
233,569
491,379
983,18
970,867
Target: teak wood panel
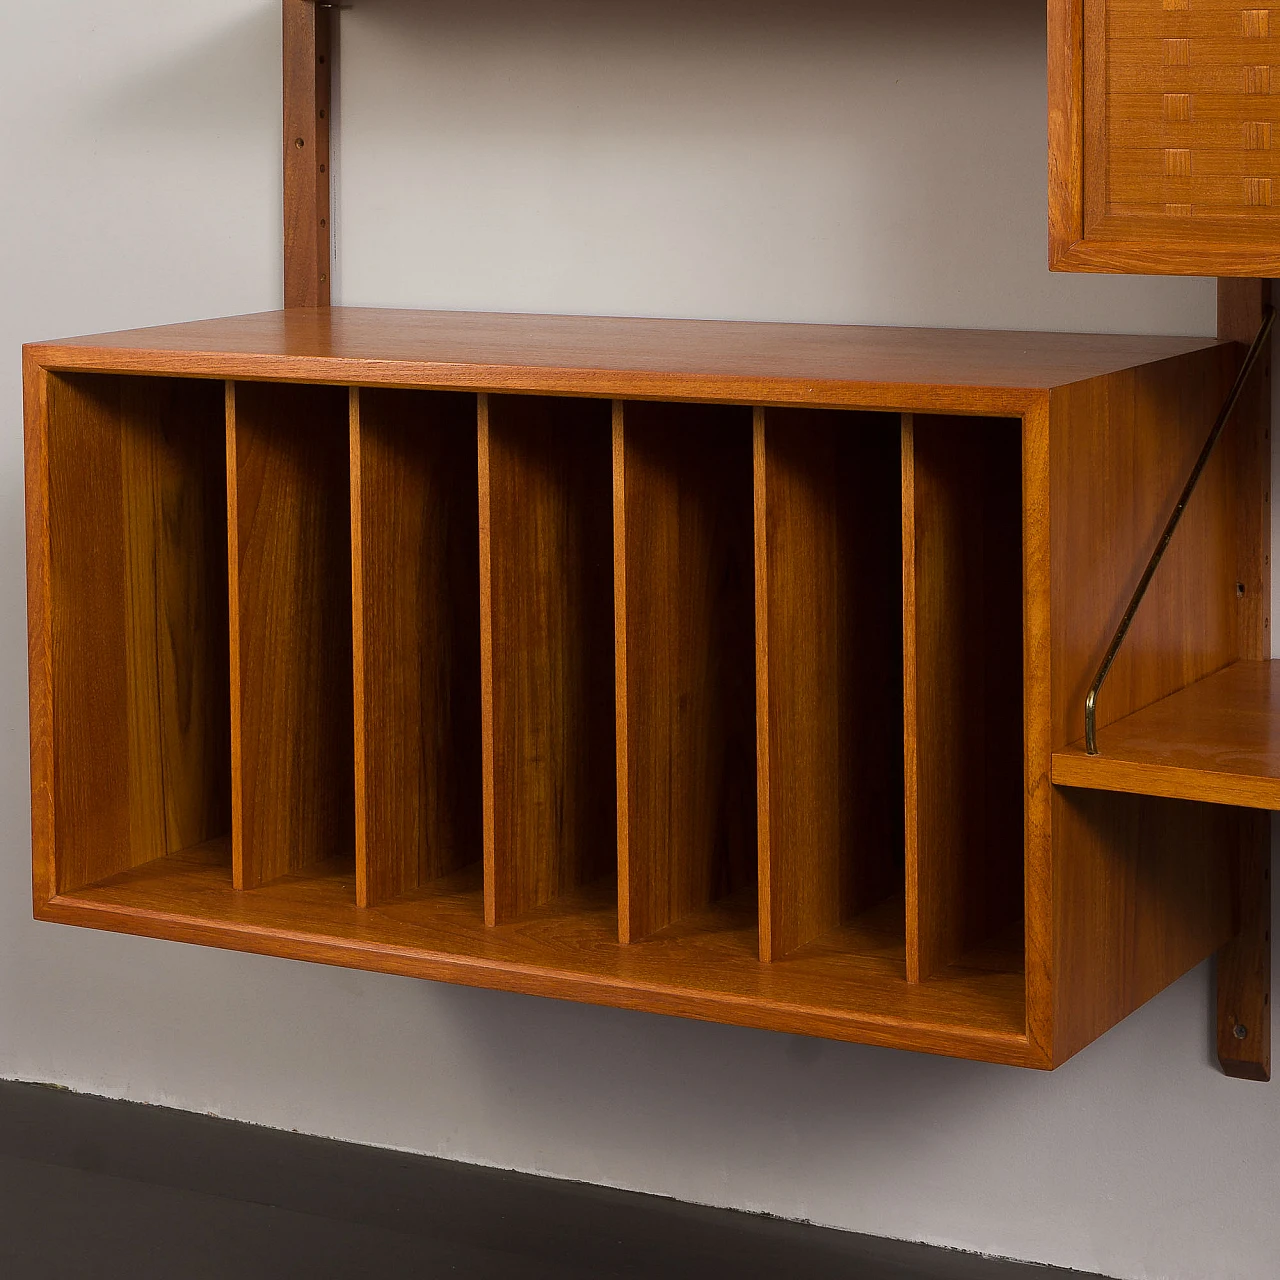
289,522
682,485
546,638
1141,886
963,705
1122,448
141,742
416,591
308,82
569,950
1214,740
828,550
1164,154
1244,964
849,366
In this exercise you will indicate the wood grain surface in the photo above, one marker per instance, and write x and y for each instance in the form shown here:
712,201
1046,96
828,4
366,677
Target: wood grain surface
828,545
1141,887
962,645
1163,158
850,989
137,572
682,495
940,370
293,777
307,38
1244,964
546,637
1214,740
416,592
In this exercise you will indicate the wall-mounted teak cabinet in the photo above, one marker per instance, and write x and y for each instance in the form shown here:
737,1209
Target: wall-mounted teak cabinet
705,669
1164,137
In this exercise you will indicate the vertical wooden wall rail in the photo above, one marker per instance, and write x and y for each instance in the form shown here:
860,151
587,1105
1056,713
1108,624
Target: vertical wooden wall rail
1244,964
307,93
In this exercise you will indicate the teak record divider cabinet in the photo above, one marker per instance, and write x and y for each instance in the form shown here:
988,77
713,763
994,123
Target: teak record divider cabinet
704,668
734,671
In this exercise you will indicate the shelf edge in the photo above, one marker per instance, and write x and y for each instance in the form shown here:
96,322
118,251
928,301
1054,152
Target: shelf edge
1073,768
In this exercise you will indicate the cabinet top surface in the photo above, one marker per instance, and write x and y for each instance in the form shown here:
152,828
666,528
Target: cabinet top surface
694,359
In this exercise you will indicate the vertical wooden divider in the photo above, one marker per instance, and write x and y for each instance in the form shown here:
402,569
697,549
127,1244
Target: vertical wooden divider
415,586
138,611
546,645
685,682
962,652
828,578
289,522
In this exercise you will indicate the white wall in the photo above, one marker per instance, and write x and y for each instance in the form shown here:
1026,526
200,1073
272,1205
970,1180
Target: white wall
839,160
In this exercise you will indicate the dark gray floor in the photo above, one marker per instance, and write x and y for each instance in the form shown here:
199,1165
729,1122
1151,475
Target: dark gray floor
94,1190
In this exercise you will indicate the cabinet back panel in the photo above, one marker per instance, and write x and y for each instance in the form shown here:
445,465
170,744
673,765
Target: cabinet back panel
290,519
416,584
683,530
962,537
546,649
828,551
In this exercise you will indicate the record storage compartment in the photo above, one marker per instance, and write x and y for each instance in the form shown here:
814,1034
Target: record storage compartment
707,692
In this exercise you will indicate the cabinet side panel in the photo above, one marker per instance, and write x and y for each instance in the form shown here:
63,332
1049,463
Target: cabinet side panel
1121,450
828,551
416,547
35,399
547,635
292,579
177,576
1142,886
91,716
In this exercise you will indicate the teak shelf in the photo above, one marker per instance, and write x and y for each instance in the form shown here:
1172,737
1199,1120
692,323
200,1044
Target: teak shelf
734,671
711,669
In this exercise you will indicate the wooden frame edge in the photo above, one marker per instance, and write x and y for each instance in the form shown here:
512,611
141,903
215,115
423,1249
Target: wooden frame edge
366,895
1105,256
622,758
241,869
1001,1048
35,399
1038,864
1066,130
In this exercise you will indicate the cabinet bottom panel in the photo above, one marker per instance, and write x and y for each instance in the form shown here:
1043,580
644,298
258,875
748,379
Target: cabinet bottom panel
849,985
